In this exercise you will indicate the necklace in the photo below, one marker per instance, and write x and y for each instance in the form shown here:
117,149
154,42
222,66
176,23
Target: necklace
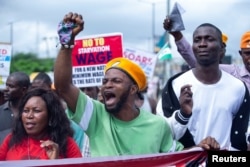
38,155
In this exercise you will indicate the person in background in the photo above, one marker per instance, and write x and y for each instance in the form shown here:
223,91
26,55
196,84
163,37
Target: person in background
17,84
145,102
207,86
185,50
91,91
99,96
110,126
42,130
43,80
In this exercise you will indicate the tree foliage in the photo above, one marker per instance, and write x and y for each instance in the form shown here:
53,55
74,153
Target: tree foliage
29,63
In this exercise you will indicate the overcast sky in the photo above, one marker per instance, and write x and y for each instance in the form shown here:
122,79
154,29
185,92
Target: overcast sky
35,22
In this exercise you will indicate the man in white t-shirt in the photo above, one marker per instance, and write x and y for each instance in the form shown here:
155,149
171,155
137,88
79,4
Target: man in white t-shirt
219,107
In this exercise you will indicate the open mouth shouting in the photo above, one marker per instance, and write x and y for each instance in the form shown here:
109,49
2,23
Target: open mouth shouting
109,99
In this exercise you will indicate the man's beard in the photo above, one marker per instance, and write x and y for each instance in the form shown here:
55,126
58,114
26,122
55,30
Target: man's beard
121,102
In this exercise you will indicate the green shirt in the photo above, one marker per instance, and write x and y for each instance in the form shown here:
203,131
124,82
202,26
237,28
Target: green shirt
108,136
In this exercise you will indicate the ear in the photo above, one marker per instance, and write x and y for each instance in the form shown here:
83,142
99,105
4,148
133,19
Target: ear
223,52
240,52
134,89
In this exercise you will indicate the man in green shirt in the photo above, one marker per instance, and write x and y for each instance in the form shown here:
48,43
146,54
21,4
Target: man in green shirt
117,126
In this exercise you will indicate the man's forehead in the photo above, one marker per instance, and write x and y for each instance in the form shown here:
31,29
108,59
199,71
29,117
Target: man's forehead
12,79
115,73
38,81
205,30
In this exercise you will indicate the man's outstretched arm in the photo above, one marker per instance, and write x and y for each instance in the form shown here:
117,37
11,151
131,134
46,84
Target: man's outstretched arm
63,64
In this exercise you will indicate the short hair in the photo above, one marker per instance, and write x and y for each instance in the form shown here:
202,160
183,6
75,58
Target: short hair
43,77
22,78
219,33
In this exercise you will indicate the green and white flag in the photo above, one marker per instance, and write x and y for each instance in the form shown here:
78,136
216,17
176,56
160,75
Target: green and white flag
165,53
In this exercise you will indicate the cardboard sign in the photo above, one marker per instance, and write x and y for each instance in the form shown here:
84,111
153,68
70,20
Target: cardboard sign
90,55
5,59
145,60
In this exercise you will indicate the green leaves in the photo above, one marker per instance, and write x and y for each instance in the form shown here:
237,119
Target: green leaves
28,63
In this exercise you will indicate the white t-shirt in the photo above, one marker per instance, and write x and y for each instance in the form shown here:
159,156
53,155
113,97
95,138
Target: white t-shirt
214,107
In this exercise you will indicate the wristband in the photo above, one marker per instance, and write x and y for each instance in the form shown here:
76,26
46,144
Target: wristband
68,46
65,46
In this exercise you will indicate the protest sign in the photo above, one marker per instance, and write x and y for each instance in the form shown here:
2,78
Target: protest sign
5,59
195,157
90,55
145,60
187,158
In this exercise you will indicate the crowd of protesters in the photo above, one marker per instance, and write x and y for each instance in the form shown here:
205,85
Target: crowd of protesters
45,120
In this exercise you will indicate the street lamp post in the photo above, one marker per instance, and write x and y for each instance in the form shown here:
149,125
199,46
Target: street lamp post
166,67
168,10
47,46
153,25
48,41
11,37
153,21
